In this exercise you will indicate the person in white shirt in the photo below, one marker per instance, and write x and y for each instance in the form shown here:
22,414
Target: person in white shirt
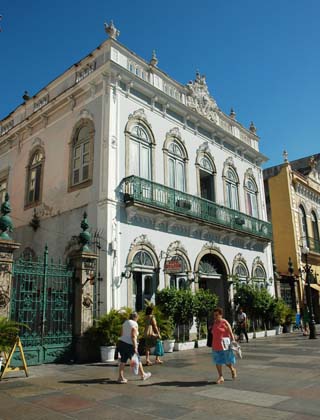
242,324
128,346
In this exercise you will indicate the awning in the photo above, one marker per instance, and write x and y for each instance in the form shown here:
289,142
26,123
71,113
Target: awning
315,286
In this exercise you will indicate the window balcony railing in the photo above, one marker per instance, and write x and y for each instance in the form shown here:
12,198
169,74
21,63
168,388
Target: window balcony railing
314,245
148,193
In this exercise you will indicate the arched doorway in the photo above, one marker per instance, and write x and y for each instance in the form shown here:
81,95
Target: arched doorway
144,283
212,276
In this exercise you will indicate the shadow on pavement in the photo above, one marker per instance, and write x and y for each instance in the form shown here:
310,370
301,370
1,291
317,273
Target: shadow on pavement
91,381
180,383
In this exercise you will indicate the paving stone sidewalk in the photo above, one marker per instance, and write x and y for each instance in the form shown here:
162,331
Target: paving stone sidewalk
278,378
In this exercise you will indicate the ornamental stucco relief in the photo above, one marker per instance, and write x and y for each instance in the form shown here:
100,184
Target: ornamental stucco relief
199,99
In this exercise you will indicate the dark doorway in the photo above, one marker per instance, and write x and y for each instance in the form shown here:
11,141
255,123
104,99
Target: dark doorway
206,185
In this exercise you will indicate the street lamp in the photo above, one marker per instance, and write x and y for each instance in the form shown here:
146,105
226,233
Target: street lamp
307,269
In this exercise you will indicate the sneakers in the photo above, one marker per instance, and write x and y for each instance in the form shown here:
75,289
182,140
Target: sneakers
122,381
146,376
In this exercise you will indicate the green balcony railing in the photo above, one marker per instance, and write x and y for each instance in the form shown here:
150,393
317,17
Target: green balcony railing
142,191
313,244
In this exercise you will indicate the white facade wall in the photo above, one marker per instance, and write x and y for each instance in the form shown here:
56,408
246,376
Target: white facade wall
100,99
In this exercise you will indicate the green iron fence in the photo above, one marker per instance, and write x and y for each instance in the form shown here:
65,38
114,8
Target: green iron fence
42,300
143,191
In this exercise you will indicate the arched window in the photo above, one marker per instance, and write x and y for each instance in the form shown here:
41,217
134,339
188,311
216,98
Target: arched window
143,279
176,167
303,226
259,276
140,152
34,177
251,192
241,272
231,185
206,178
315,229
82,154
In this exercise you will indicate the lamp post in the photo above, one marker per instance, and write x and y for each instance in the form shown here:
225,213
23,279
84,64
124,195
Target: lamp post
307,269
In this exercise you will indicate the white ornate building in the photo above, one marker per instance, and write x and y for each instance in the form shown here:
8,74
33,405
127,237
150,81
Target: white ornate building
172,186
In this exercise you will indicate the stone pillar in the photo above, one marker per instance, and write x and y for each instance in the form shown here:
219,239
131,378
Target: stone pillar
84,262
7,247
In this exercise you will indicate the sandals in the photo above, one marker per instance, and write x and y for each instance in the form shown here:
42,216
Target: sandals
149,363
220,381
234,373
158,362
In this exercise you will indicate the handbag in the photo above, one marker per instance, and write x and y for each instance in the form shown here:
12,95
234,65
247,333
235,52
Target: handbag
158,351
235,347
149,332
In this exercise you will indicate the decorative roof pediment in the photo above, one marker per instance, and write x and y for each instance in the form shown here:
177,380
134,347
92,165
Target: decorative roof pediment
199,99
239,258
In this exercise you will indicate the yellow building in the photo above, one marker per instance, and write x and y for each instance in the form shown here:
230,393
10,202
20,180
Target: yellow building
293,205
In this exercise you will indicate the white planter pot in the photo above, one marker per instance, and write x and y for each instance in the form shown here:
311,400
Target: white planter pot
168,346
107,353
259,334
188,345
279,329
271,333
202,343
250,336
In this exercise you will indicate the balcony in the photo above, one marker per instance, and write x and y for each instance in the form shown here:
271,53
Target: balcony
139,191
313,245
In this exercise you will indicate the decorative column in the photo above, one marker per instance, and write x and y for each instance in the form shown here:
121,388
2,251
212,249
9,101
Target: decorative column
84,262
7,247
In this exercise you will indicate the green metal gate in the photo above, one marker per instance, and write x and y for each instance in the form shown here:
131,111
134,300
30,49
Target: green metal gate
42,299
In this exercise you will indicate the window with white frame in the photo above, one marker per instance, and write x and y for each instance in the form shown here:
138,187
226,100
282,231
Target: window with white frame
251,192
3,190
140,152
206,178
34,177
241,272
176,167
259,276
303,226
231,184
82,155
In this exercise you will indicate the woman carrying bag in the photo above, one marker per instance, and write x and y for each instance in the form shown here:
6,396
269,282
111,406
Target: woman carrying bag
152,335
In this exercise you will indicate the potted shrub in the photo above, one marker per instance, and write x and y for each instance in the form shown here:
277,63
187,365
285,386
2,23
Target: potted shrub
107,332
280,310
183,316
8,333
166,300
290,319
204,303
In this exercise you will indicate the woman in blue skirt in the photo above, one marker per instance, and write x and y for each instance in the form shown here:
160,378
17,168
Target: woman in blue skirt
222,336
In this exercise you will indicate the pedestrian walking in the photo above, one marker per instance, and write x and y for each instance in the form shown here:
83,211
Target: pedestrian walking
151,335
242,325
221,352
128,346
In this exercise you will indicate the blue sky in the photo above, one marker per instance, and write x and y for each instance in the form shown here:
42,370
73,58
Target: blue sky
260,57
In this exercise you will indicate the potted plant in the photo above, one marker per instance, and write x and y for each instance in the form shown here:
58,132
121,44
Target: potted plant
279,310
290,318
183,316
107,332
204,303
166,300
8,332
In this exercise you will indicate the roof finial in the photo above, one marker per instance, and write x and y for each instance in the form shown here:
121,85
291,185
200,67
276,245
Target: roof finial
85,236
111,30
154,59
252,128
5,220
232,114
285,156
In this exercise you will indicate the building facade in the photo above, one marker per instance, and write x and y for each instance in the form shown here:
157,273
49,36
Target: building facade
172,186
293,203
